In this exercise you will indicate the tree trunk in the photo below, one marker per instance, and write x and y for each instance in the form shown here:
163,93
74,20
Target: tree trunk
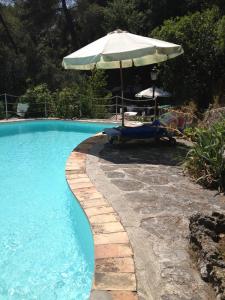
69,22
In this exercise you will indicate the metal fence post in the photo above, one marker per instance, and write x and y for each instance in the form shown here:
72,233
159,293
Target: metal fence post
45,109
80,108
6,107
116,107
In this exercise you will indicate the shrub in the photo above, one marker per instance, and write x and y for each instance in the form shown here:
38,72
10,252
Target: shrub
68,103
41,101
87,98
205,162
94,96
190,133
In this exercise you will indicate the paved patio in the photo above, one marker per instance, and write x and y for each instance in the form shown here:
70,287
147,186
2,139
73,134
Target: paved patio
144,183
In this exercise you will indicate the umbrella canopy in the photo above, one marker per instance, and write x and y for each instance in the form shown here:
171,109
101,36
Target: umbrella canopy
121,49
148,93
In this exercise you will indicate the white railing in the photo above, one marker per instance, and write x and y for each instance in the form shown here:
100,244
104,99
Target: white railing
10,106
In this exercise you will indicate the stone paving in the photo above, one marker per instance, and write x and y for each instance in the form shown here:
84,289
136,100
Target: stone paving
145,185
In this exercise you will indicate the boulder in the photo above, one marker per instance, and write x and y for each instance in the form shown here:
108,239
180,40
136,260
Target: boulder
207,240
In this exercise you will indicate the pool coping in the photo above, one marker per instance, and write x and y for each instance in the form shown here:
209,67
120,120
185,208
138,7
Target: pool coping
100,121
114,276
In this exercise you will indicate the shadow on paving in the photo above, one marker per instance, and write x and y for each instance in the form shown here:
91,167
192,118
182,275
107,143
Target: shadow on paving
145,184
160,153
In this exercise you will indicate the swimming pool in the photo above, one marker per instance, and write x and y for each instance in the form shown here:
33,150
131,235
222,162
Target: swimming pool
46,245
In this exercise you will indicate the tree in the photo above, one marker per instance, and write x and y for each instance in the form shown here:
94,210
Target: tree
200,5
8,33
122,14
194,75
12,58
89,17
69,22
37,16
155,12
35,35
220,46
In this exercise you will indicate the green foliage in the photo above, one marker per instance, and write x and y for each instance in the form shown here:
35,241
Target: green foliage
194,75
123,14
89,19
200,5
41,101
155,12
94,95
221,35
205,162
84,99
190,133
67,103
141,119
36,35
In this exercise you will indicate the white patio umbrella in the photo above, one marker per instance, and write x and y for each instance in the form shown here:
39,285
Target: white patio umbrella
120,49
148,93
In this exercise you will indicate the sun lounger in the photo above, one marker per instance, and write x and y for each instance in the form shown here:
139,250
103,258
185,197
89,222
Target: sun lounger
166,126
145,131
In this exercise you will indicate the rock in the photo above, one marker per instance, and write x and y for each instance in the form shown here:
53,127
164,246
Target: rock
214,115
206,233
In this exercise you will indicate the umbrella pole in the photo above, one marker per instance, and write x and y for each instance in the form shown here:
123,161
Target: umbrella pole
121,81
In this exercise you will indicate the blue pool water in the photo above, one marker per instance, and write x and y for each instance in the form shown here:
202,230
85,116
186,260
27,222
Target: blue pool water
46,246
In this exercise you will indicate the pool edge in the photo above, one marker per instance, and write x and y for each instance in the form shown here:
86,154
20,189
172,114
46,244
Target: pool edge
114,275
99,121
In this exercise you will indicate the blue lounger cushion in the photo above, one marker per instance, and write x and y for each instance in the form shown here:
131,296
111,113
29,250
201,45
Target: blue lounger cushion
145,131
111,132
